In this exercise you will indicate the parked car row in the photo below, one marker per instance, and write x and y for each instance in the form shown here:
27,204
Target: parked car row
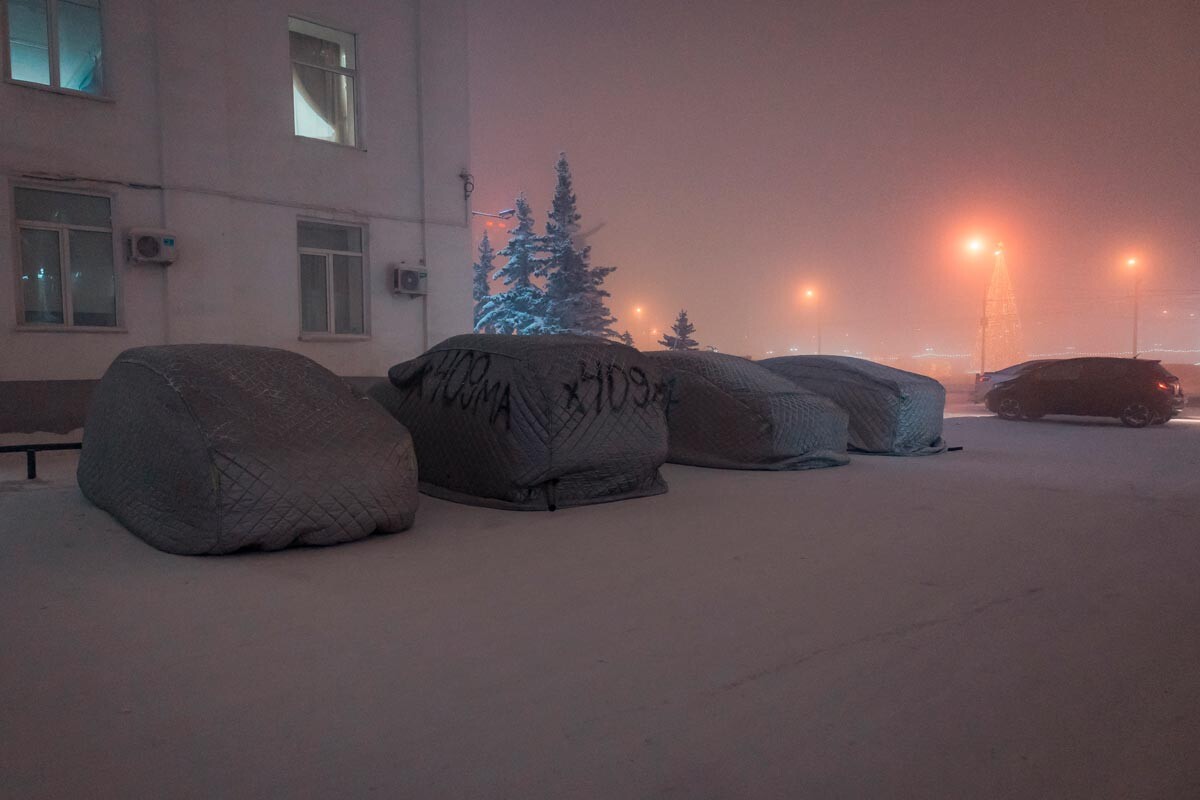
1139,392
209,448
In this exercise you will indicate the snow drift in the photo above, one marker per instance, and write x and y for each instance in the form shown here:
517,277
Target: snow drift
206,449
726,411
532,422
892,412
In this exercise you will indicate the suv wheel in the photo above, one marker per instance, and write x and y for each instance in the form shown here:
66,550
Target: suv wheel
1137,415
1009,408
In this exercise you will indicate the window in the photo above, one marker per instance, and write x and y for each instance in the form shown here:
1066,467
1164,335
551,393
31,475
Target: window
56,43
66,256
1061,371
323,74
1110,368
331,279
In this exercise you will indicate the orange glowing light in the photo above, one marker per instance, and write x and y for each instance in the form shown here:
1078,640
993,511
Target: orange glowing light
809,293
975,245
637,310
1132,262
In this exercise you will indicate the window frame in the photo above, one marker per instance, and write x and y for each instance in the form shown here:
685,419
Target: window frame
52,53
354,74
329,334
64,260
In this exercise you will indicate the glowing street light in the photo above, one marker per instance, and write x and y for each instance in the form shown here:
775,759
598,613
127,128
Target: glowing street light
811,294
1132,263
975,246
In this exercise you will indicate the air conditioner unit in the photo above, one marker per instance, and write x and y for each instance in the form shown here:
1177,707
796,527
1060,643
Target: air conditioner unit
409,281
151,246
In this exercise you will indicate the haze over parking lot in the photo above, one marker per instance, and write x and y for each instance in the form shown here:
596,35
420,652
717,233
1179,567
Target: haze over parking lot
737,152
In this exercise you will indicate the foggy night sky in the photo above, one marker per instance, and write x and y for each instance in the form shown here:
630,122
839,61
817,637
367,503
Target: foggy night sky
739,152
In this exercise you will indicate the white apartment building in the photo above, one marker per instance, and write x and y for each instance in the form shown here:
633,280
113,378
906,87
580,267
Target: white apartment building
293,152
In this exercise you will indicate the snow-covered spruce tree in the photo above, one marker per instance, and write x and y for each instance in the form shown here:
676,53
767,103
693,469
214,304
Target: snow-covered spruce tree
480,288
626,338
574,289
682,340
522,308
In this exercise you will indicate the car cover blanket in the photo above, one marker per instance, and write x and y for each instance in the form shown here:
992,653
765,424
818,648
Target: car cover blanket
726,411
532,422
208,448
892,412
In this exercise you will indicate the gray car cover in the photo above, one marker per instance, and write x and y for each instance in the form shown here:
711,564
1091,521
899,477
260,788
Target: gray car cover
205,449
892,412
728,412
532,422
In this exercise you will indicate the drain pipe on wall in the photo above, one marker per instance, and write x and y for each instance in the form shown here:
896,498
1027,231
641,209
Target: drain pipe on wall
424,262
162,177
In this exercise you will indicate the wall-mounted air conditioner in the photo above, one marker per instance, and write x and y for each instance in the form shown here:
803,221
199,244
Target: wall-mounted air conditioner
409,281
151,246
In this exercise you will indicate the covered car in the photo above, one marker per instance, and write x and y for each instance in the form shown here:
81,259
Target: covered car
892,412
729,412
209,448
532,422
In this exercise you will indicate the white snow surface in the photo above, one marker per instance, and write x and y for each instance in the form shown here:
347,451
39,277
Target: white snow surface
1019,619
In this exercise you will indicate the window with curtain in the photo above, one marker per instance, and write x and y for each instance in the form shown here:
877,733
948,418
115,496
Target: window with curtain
66,259
56,43
331,278
324,70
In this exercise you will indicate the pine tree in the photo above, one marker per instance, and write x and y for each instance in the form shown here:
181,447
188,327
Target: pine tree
574,289
626,338
522,308
682,340
481,290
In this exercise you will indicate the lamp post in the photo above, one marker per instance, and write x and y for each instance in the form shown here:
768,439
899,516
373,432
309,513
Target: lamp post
811,294
976,246
1132,263
505,214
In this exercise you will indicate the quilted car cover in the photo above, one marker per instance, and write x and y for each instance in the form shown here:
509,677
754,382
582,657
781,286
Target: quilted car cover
532,422
726,411
207,448
892,412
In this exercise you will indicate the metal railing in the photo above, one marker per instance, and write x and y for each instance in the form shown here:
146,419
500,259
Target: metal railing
31,451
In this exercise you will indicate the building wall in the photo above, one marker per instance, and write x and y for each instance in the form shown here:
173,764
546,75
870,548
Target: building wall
201,104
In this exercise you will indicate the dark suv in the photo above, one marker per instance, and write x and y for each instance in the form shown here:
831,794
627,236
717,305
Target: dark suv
1136,391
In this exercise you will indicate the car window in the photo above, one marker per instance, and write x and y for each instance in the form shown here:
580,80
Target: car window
1062,371
1111,370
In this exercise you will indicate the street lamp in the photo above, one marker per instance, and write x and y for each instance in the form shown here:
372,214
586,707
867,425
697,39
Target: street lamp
811,294
505,214
1132,263
976,246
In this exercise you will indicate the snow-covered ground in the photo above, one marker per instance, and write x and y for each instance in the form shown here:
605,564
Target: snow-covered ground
1019,619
